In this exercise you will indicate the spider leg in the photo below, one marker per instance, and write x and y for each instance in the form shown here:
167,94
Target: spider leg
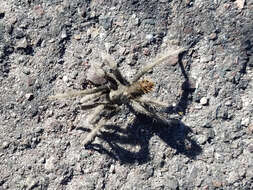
116,72
90,137
98,121
157,62
96,115
137,107
92,105
91,97
146,102
151,101
79,93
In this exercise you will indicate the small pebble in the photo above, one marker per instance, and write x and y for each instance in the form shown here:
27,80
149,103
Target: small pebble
77,37
50,163
65,78
217,184
228,103
132,60
31,182
106,22
51,40
204,101
29,96
172,183
198,107
122,50
213,36
240,4
38,9
42,161
232,177
146,51
108,46
64,34
149,37
26,71
250,128
136,21
2,13
112,169
201,139
188,2
250,148
245,121
149,21
22,43
206,59
5,144
82,12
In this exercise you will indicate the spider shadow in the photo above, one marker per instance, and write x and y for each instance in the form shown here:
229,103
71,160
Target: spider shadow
176,135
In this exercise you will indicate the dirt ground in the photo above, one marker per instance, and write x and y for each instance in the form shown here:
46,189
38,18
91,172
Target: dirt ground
51,46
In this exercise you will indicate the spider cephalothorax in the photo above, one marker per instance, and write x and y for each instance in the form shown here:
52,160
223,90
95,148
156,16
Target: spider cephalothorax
119,91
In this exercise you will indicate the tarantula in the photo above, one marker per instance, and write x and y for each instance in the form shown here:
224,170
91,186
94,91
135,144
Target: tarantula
117,92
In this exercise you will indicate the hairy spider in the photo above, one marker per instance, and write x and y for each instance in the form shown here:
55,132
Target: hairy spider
117,92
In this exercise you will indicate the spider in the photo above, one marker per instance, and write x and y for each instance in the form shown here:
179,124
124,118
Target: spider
118,91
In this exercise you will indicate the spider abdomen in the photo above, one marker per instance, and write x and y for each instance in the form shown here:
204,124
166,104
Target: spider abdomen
140,87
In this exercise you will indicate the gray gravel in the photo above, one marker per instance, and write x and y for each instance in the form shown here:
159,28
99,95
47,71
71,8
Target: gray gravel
49,47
